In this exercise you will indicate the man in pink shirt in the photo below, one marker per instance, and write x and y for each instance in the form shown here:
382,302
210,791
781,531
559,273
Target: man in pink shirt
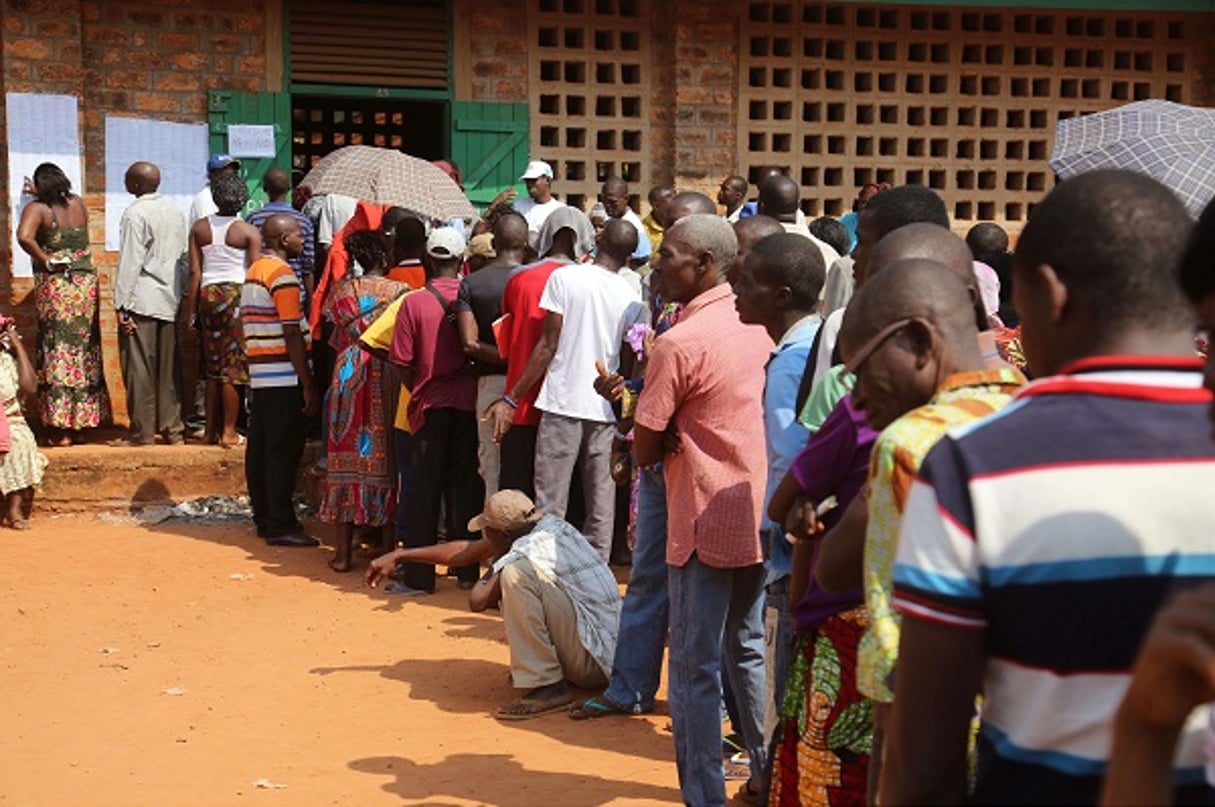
701,413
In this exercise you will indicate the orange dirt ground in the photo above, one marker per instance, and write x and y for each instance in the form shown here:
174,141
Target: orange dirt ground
291,674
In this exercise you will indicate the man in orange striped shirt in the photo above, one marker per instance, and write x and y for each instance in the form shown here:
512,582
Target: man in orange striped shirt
281,394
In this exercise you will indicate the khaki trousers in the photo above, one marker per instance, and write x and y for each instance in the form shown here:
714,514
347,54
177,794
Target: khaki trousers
542,631
489,389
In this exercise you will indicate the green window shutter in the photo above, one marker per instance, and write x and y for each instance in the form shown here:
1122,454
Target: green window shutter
267,108
489,140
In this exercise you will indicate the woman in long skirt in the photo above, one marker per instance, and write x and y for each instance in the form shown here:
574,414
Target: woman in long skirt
54,231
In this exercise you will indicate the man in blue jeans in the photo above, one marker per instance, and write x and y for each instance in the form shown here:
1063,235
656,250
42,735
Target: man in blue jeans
637,664
701,414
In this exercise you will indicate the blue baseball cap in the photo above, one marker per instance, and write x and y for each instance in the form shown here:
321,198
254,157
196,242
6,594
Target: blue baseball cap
219,161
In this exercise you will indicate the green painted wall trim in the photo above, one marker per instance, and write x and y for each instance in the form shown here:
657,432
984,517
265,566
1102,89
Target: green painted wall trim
1084,5
364,91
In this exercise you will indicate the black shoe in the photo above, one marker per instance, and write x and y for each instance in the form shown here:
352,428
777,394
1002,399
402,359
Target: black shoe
292,539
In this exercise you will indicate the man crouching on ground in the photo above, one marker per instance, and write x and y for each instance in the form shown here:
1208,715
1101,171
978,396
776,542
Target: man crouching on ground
560,602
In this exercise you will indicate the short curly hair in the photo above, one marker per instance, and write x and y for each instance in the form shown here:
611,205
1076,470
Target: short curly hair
229,194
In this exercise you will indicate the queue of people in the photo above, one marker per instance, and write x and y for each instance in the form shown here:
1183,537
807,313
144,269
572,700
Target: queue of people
912,511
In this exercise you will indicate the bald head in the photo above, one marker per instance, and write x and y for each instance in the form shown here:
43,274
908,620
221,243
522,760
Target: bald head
924,241
618,240
615,184
778,197
915,287
277,184
510,233
278,226
753,228
141,178
904,332
690,203
765,172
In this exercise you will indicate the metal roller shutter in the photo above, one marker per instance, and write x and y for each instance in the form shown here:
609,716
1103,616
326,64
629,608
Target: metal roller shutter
401,44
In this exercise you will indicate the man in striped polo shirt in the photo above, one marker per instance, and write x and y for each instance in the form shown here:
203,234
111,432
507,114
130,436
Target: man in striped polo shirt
1038,544
910,338
281,394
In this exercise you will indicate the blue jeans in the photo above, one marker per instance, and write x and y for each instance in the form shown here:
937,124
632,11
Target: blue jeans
778,649
716,621
643,618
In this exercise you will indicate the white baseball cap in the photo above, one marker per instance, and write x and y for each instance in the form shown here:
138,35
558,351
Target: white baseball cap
537,169
445,242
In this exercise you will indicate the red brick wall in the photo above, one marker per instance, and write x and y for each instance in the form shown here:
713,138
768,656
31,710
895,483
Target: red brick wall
123,57
498,40
705,34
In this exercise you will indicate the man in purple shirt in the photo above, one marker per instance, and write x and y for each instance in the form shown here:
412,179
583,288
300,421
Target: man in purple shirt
426,345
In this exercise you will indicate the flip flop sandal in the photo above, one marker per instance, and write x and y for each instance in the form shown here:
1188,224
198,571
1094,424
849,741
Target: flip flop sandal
593,708
403,590
539,708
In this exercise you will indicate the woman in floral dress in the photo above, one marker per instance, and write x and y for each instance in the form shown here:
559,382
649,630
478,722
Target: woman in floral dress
360,477
54,230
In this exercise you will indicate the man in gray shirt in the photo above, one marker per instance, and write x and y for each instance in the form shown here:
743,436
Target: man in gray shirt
147,293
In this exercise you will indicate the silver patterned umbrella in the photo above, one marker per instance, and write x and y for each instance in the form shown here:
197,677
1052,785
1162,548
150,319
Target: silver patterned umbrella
389,177
1171,142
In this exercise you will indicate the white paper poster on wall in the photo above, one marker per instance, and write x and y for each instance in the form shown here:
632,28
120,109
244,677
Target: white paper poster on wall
41,129
250,140
179,150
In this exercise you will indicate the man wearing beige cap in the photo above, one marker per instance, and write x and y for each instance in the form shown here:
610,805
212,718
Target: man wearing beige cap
560,603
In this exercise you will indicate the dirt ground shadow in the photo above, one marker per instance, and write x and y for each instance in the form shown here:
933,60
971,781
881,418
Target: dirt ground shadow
501,780
478,686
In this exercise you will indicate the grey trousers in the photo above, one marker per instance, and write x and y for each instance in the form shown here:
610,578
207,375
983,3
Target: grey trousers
148,358
567,445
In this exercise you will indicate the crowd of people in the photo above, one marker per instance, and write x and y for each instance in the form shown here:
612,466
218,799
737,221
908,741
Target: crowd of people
919,517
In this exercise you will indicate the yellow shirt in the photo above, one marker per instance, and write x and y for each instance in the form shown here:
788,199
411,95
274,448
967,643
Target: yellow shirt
896,459
379,336
653,231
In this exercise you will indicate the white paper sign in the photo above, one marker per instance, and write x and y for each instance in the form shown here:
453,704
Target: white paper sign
41,129
179,150
247,140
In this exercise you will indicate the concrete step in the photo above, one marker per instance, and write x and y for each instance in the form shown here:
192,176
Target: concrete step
97,477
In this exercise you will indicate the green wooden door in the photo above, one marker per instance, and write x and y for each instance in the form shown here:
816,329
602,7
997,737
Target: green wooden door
225,107
489,140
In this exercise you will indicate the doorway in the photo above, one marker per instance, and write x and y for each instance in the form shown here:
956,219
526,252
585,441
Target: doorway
322,123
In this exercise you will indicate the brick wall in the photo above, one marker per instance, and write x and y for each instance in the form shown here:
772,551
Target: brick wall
498,44
705,35
145,59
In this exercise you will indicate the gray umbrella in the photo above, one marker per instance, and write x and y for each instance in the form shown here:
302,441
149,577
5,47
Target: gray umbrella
1171,142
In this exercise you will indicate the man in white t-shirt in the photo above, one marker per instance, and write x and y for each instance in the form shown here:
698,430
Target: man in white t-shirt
615,198
540,202
577,424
